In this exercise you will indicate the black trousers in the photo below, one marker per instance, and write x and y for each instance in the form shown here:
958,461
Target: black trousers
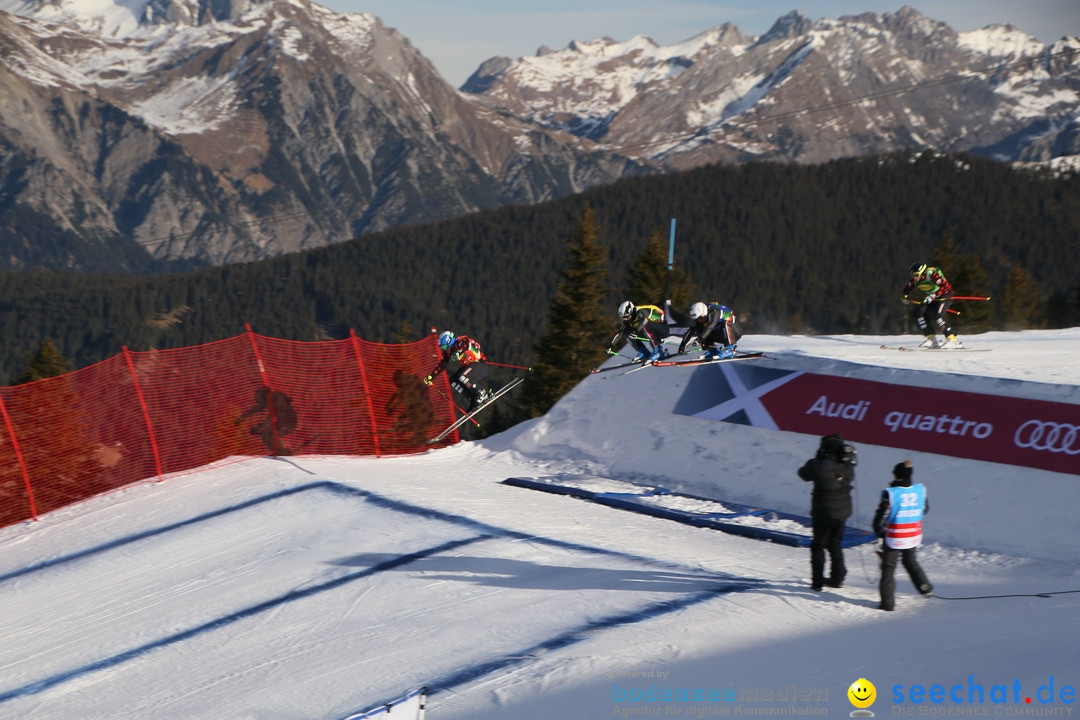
468,378
722,335
910,561
828,538
933,317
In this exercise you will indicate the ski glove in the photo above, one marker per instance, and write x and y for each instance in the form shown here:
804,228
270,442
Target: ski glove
609,351
428,380
905,300
928,299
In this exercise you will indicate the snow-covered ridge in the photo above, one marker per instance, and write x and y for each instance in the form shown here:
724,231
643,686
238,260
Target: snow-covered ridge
104,17
119,50
1001,41
621,92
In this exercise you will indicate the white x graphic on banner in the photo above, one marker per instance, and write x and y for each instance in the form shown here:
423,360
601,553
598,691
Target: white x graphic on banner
746,399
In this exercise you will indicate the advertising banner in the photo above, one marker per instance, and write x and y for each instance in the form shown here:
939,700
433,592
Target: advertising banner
992,428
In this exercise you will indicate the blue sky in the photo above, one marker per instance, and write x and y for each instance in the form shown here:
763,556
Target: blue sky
458,35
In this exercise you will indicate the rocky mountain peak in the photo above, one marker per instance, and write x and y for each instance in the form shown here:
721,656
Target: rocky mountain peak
221,131
791,25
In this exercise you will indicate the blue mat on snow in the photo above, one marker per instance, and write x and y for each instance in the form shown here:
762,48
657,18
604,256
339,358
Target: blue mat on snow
733,518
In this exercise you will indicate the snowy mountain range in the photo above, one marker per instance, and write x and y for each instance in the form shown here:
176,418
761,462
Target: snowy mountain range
230,131
805,91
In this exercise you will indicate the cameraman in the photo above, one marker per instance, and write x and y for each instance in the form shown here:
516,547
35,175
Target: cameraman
832,471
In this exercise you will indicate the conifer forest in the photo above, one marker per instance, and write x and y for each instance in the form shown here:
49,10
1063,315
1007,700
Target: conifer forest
793,249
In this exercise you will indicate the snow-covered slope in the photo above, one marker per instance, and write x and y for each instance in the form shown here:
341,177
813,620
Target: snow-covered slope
316,587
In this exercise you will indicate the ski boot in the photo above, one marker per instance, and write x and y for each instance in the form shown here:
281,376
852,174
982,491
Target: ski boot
479,399
952,344
930,342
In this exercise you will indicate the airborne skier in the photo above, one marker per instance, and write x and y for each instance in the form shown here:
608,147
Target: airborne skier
472,367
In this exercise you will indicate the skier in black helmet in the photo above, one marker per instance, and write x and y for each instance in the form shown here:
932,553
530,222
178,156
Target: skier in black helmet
929,287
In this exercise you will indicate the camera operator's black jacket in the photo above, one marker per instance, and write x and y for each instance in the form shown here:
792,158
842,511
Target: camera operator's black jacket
831,498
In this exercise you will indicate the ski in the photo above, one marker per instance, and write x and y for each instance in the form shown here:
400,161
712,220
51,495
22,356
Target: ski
915,348
469,415
640,366
634,367
596,370
702,361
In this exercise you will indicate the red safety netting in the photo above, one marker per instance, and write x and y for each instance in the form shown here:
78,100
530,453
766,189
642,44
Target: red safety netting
148,414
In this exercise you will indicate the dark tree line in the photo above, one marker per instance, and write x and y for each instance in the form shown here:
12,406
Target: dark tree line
809,249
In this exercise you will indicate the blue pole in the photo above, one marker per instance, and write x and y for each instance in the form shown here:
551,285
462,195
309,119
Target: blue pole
670,265
671,247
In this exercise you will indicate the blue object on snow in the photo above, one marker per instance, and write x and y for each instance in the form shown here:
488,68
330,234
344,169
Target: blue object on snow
728,517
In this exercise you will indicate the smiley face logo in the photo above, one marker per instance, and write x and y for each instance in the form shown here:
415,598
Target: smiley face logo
862,693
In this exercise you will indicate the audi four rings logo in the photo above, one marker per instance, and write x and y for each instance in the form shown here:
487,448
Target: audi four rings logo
1050,436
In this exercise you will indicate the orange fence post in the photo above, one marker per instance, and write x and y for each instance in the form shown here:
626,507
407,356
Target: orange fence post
146,414
367,390
269,390
19,456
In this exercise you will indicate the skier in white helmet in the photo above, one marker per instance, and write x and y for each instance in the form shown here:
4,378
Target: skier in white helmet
713,324
643,328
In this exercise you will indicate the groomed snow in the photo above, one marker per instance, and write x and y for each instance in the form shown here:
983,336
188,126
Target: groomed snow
316,587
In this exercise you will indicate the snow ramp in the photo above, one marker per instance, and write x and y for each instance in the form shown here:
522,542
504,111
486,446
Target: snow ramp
981,435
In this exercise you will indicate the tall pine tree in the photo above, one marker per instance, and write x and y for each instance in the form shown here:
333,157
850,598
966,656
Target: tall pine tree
47,362
578,329
1022,306
648,281
968,277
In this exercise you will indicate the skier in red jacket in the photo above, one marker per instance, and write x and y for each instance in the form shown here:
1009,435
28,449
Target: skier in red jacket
472,367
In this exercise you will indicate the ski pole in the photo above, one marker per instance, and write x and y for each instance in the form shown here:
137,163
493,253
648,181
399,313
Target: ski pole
463,412
515,367
966,297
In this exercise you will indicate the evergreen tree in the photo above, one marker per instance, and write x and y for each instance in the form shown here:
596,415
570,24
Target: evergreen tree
968,277
648,281
1021,302
1063,309
47,362
405,334
578,328
54,436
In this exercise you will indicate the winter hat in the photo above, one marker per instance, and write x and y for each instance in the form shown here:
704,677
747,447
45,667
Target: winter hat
832,446
902,471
